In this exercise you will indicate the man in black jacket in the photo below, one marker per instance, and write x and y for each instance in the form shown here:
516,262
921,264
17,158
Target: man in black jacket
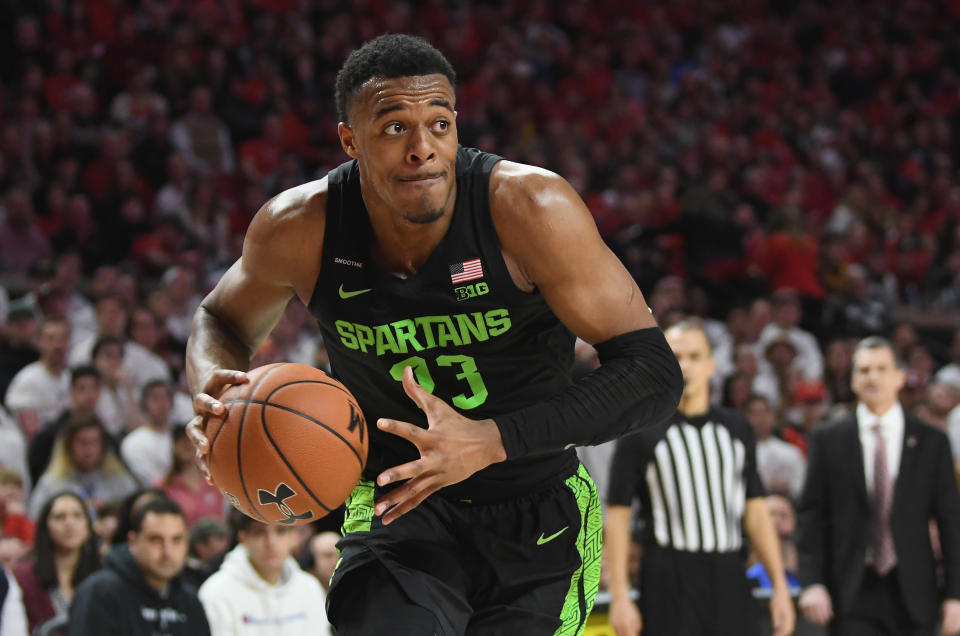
874,481
139,591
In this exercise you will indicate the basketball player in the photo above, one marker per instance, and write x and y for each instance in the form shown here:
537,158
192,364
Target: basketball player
448,285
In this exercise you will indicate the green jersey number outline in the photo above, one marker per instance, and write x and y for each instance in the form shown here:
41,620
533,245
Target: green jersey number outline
468,372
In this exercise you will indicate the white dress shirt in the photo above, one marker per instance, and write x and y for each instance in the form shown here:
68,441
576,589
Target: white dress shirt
891,425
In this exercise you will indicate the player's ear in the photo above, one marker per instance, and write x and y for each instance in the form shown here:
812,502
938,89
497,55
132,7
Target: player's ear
347,139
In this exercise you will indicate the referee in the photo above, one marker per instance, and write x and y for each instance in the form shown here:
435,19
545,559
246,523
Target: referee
696,479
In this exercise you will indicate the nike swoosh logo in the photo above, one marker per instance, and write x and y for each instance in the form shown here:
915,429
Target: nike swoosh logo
351,294
553,536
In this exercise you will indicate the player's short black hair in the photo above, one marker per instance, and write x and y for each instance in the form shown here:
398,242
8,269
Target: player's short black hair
391,55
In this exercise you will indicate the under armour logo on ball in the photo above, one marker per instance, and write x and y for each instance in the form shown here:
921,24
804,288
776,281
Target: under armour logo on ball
283,492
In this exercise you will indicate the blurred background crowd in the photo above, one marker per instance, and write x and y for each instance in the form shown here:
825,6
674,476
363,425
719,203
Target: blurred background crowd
785,171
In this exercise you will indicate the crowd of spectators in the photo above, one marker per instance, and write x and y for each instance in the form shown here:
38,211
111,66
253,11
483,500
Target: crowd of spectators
784,171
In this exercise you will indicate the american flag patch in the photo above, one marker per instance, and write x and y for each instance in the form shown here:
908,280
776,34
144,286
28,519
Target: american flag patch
467,270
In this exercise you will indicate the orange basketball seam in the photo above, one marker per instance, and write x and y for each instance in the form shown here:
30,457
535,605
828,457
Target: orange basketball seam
263,424
243,417
311,419
336,385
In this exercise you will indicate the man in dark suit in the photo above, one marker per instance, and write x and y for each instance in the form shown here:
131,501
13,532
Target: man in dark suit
874,481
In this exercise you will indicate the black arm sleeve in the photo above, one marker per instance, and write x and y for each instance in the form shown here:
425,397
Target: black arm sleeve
638,384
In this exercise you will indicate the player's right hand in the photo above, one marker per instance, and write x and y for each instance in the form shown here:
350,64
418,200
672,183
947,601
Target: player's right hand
816,605
625,617
206,405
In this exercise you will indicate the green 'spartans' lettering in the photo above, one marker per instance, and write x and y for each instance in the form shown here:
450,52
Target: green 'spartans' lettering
406,331
423,332
385,340
472,326
447,334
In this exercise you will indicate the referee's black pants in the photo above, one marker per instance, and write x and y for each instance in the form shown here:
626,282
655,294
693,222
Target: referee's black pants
695,594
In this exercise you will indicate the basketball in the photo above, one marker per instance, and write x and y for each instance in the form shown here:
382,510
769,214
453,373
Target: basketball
291,446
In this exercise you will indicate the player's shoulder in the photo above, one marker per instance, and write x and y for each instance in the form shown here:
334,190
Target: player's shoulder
517,186
295,207
285,234
530,205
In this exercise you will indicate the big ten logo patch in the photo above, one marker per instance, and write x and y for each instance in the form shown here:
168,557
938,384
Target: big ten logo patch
465,292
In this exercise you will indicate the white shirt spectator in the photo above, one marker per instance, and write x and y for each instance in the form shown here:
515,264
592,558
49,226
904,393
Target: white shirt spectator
239,602
765,384
94,487
182,408
113,408
179,324
148,453
809,360
170,199
36,389
13,615
780,464
13,450
139,362
82,317
949,375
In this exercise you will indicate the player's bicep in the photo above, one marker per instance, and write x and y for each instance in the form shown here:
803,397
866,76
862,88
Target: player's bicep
281,258
246,304
590,291
553,236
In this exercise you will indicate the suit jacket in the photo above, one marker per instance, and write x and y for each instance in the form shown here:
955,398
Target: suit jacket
835,517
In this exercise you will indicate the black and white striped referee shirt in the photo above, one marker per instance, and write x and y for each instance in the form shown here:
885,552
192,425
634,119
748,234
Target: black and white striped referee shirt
692,476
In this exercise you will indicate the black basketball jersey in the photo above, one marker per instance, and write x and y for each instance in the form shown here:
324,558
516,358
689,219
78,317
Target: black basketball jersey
472,337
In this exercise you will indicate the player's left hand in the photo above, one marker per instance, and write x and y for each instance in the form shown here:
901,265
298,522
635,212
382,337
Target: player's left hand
950,616
782,614
452,448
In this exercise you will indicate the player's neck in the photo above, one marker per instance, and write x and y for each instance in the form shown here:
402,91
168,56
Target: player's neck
402,247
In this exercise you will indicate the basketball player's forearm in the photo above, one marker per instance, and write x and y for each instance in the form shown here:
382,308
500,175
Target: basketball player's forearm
638,384
212,346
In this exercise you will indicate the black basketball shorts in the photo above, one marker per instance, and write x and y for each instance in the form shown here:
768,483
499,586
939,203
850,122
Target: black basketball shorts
527,565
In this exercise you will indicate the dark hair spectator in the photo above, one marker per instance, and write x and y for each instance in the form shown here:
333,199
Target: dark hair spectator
83,461
64,554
